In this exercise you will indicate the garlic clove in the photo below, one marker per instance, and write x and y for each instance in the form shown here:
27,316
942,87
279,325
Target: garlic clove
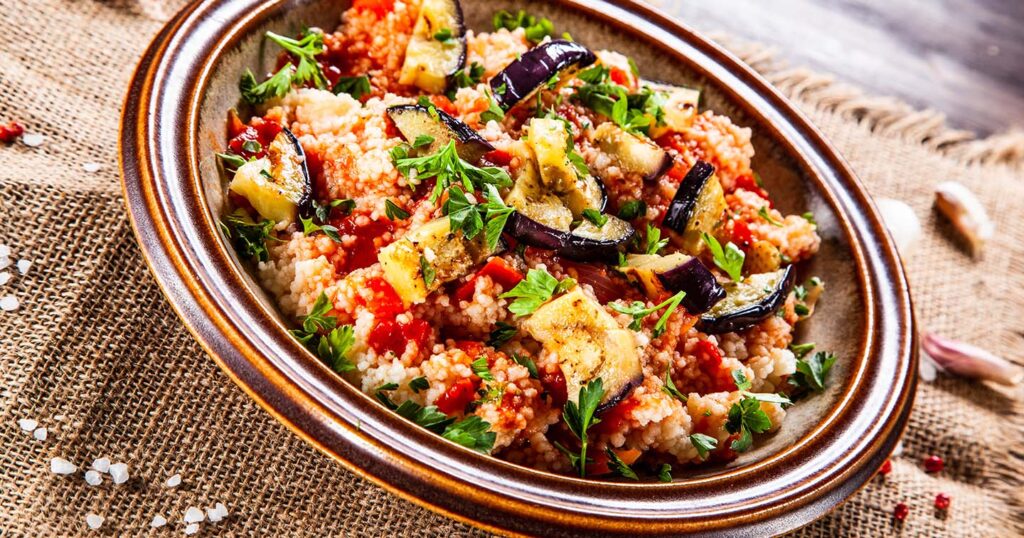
965,212
970,361
902,222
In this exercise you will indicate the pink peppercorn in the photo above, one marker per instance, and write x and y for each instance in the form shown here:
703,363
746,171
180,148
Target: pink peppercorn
942,501
933,464
886,468
10,132
901,511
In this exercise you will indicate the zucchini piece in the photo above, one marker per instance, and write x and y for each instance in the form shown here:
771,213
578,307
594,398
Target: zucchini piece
589,344
631,153
429,61
449,255
276,186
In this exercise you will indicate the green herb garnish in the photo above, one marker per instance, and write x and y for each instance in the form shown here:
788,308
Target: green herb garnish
665,473
523,360
310,228
248,237
801,350
580,417
703,443
536,289
763,213
811,373
595,216
445,35
471,432
482,369
322,335
428,272
493,112
393,211
502,333
639,311
730,259
632,209
472,77
306,50
422,140
448,168
536,29
418,384
669,387
276,86
745,418
618,466
654,242
357,87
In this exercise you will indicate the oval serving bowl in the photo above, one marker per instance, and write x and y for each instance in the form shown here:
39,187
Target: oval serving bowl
831,443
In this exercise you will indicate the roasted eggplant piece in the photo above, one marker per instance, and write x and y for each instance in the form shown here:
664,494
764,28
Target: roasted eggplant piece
433,245
277,186
673,273
414,121
748,302
549,140
586,242
631,153
531,198
535,68
437,48
589,344
680,108
697,206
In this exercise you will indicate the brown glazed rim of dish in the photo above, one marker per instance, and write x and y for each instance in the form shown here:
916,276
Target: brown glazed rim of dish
211,293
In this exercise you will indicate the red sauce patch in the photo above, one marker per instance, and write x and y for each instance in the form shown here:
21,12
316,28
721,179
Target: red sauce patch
386,303
709,360
259,130
741,234
380,8
498,157
749,183
363,253
554,385
614,418
457,397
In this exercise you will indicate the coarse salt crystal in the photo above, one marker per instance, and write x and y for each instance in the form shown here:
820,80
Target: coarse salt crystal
9,303
5,251
194,515
101,464
217,513
173,481
62,466
158,521
93,521
40,434
33,140
119,473
5,262
23,266
93,478
191,528
5,277
91,167
28,424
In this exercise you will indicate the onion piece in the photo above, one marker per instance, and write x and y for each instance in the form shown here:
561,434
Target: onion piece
970,361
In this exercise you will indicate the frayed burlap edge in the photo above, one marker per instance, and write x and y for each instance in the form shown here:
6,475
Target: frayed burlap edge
885,116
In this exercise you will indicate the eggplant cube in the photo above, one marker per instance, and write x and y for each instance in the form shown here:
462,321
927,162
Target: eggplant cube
589,344
430,61
278,185
631,153
414,121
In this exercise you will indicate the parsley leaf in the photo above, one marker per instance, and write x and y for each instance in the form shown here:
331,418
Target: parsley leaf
580,417
745,418
422,140
464,79
463,214
384,398
448,168
276,86
670,387
306,50
317,320
493,112
496,215
429,417
393,211
428,272
502,333
533,291
639,311
729,260
482,369
665,473
618,466
310,228
354,86
471,432
801,350
445,35
531,366
249,238
654,241
763,213
703,443
595,217
331,347
811,373
536,29
418,384
632,209
231,161
809,217
740,377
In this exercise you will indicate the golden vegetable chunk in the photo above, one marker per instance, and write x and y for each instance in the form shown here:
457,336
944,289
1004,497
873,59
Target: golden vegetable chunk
275,185
429,61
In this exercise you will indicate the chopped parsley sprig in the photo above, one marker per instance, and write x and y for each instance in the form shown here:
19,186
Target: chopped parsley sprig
653,241
746,416
619,467
536,29
306,70
729,259
247,236
635,112
639,311
579,417
471,432
703,443
449,169
536,289
321,334
811,373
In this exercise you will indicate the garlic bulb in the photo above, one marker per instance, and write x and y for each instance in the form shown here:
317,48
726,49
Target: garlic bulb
965,211
902,223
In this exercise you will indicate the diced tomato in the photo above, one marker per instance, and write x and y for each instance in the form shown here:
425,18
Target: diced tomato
386,303
724,453
390,335
471,347
457,397
500,272
442,102
749,183
235,124
267,130
619,76
379,7
677,172
499,157
259,130
614,418
741,234
709,359
554,384
364,252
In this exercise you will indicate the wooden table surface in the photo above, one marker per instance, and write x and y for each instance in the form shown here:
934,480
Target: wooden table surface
962,57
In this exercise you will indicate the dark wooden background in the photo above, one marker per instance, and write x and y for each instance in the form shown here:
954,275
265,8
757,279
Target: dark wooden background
962,57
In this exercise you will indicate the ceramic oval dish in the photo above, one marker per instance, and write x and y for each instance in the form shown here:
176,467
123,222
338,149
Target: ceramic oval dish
829,446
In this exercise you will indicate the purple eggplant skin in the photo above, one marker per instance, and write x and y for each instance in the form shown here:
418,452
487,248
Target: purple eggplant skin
685,200
702,288
743,318
625,391
471,146
305,204
567,244
535,67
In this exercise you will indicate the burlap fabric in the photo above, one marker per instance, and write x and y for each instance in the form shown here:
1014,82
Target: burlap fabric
95,353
